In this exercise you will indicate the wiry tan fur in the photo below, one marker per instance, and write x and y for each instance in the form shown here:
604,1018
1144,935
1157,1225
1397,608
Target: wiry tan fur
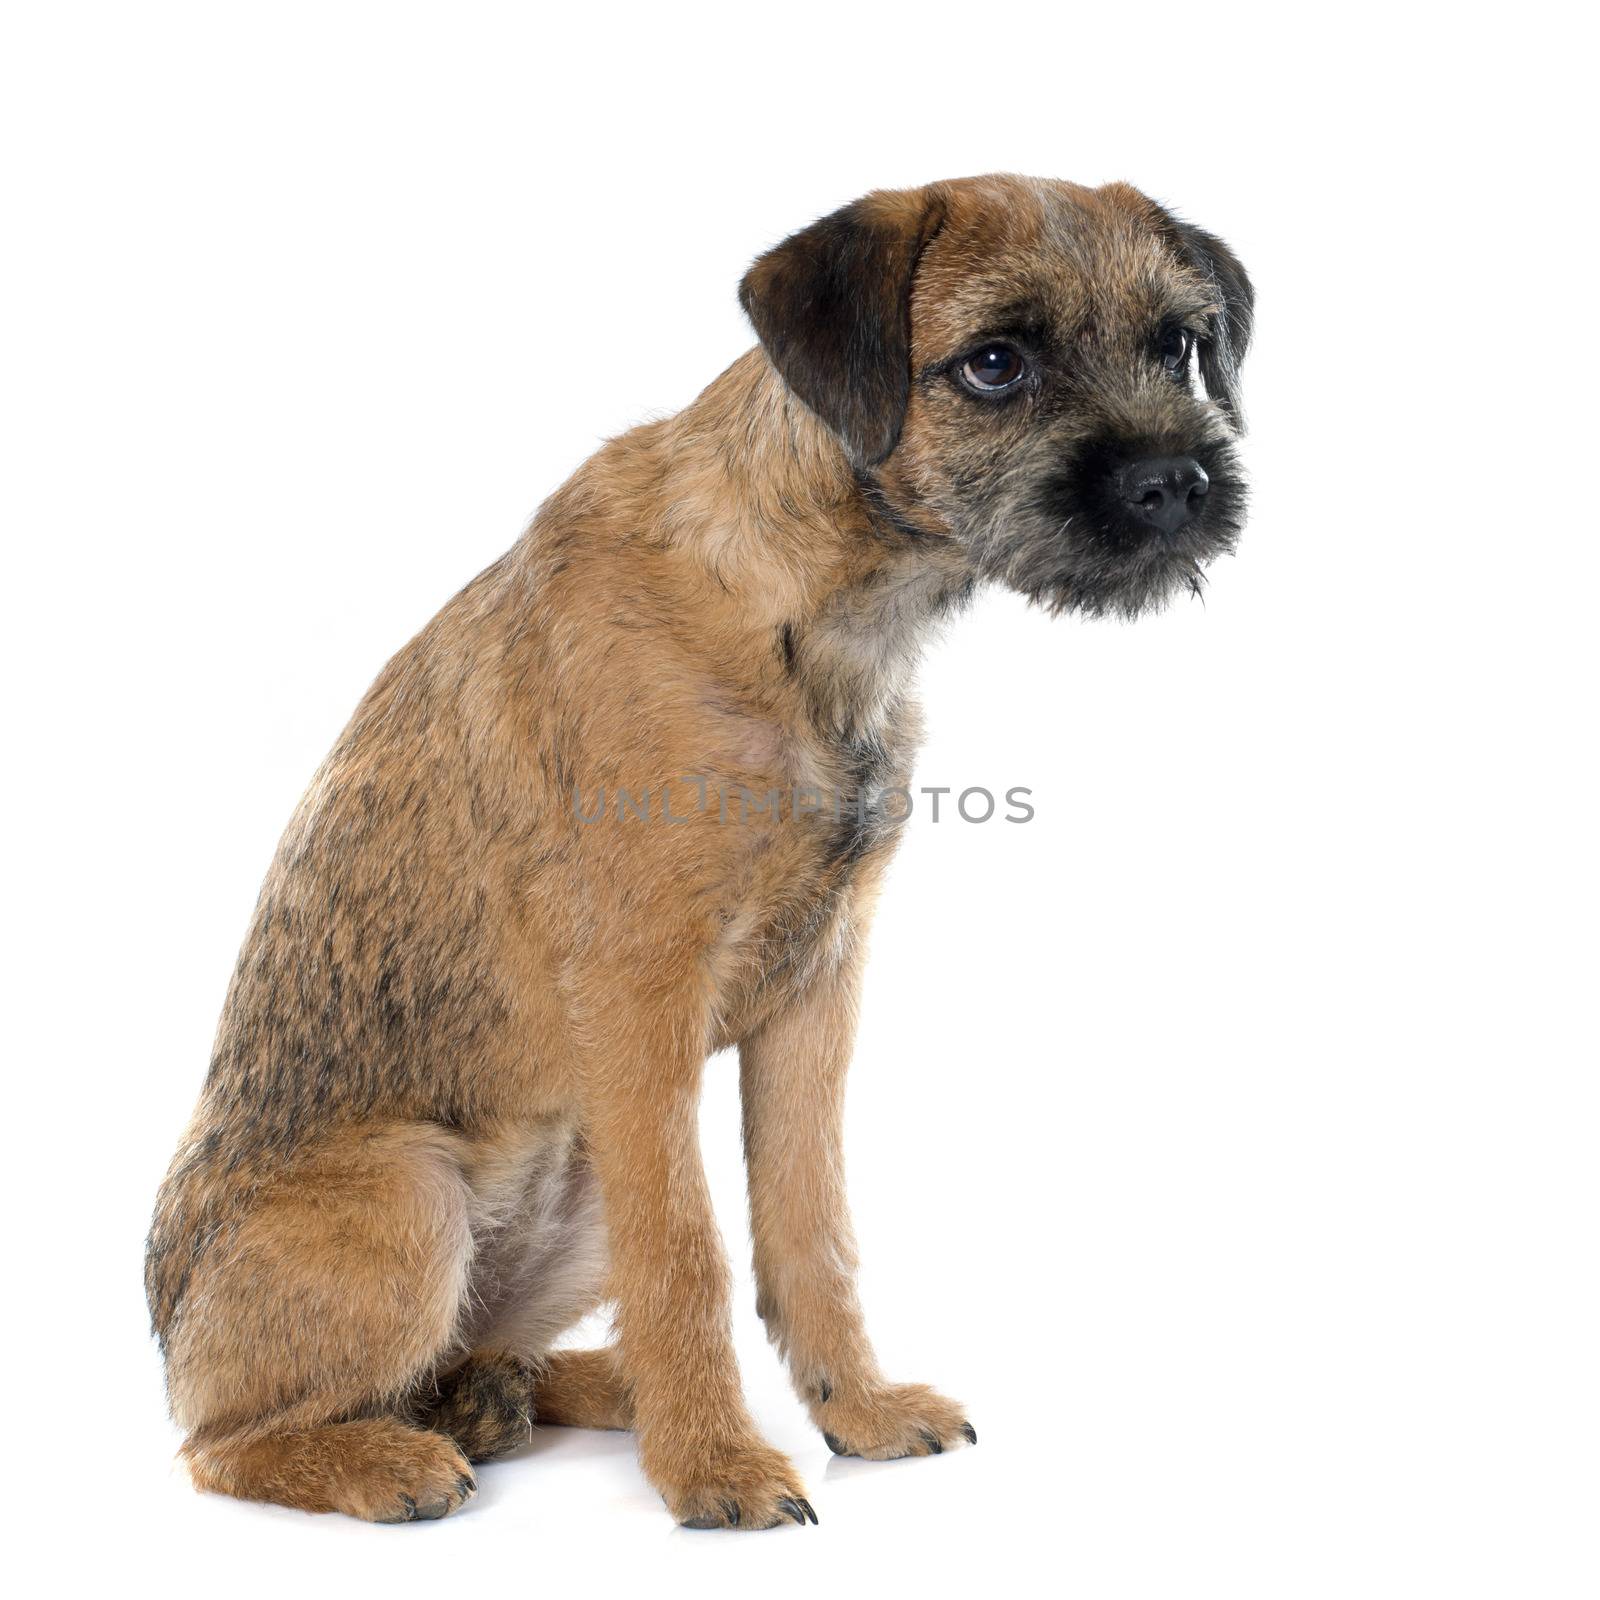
453,1103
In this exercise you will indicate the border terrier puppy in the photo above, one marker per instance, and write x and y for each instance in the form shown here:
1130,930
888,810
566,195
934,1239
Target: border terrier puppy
452,1107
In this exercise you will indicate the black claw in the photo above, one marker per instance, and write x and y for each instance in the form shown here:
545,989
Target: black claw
791,1508
411,1507
835,1444
970,1432
728,1519
825,1391
466,1486
805,1506
932,1441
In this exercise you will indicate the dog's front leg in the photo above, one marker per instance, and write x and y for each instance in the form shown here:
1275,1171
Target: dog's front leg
792,1074
697,1441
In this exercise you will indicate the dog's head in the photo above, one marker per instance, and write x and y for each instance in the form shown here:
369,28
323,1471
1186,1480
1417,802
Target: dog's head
1012,364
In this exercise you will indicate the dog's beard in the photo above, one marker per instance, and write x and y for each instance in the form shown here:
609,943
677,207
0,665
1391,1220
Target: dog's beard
1068,543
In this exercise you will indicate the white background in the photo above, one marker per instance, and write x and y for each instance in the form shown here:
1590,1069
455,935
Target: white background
1225,1137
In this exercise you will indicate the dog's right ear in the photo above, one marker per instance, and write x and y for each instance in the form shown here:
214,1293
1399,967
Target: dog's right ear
832,305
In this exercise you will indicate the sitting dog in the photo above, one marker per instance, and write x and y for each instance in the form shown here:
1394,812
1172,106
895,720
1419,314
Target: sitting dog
452,1106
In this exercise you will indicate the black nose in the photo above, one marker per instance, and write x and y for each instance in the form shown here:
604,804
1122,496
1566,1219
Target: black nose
1165,491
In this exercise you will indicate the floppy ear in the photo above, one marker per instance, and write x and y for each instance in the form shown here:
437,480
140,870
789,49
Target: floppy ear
1223,351
832,305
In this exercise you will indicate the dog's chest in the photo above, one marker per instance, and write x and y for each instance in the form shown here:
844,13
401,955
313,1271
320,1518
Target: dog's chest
825,815
833,821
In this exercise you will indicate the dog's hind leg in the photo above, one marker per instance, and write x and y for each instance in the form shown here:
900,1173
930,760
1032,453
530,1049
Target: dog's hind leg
375,1468
490,1403
584,1389
309,1320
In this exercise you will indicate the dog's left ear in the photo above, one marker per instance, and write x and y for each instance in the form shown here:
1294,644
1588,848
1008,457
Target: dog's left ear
832,305
1222,352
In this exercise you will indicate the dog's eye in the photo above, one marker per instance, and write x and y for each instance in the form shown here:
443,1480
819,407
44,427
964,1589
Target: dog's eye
1175,343
995,366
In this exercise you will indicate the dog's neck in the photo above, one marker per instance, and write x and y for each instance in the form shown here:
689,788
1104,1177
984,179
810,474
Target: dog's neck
808,550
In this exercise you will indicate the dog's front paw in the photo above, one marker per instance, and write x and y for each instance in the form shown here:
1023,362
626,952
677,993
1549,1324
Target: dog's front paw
891,1420
747,1486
